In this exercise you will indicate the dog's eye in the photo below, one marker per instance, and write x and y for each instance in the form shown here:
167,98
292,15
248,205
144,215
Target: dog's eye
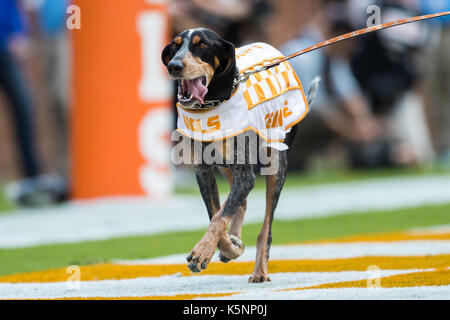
202,45
174,46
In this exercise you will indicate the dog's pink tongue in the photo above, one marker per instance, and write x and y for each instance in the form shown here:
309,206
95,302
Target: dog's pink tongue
197,88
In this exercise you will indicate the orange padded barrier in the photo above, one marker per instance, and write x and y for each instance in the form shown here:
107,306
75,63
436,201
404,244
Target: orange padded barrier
121,100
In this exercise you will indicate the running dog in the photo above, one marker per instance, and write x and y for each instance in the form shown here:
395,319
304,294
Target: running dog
215,106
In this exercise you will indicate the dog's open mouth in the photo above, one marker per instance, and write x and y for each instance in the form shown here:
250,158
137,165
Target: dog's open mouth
191,90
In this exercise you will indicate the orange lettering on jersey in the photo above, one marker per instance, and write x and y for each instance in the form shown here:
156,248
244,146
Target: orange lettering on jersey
191,124
276,119
186,121
259,92
286,78
198,125
248,99
213,124
258,77
268,119
280,119
271,86
286,111
195,125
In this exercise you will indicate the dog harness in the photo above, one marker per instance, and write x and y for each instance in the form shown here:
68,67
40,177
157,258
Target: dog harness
269,103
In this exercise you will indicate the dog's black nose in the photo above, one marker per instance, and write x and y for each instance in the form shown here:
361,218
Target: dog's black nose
175,68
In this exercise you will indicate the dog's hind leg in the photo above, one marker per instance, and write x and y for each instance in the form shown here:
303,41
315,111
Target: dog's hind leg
227,253
274,185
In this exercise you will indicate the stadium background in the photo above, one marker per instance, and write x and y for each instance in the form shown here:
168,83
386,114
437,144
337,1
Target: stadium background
333,223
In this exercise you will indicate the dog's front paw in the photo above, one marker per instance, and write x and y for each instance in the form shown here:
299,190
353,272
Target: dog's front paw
258,278
200,257
231,247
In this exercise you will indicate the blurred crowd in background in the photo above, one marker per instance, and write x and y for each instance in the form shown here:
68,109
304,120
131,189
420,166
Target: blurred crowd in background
34,67
384,99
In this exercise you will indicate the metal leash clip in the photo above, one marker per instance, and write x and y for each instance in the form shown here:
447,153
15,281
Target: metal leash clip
247,74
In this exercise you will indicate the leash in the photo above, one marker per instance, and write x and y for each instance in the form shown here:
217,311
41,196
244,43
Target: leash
244,77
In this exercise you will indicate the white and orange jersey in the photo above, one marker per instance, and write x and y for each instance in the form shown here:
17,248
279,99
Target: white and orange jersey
270,103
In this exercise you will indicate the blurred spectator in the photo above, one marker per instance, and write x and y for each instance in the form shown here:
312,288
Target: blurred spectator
48,20
390,71
340,111
14,48
438,75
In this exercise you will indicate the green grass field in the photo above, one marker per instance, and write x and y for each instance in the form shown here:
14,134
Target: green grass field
62,255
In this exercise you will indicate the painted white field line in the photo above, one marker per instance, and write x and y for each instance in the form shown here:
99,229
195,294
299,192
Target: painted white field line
117,217
442,229
178,285
325,251
410,293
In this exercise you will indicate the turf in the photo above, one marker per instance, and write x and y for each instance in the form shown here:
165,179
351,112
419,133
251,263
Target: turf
62,255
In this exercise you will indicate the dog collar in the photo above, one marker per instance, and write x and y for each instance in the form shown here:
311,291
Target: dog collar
211,104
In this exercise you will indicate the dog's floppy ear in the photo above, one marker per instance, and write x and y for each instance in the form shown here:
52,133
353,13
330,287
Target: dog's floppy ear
226,56
165,56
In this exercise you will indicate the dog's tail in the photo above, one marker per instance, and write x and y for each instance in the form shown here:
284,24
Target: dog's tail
312,91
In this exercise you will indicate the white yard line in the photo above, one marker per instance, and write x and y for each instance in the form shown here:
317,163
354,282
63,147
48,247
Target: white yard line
178,285
325,251
117,217
411,293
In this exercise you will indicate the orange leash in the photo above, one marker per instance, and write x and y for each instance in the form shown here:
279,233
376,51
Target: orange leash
247,74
